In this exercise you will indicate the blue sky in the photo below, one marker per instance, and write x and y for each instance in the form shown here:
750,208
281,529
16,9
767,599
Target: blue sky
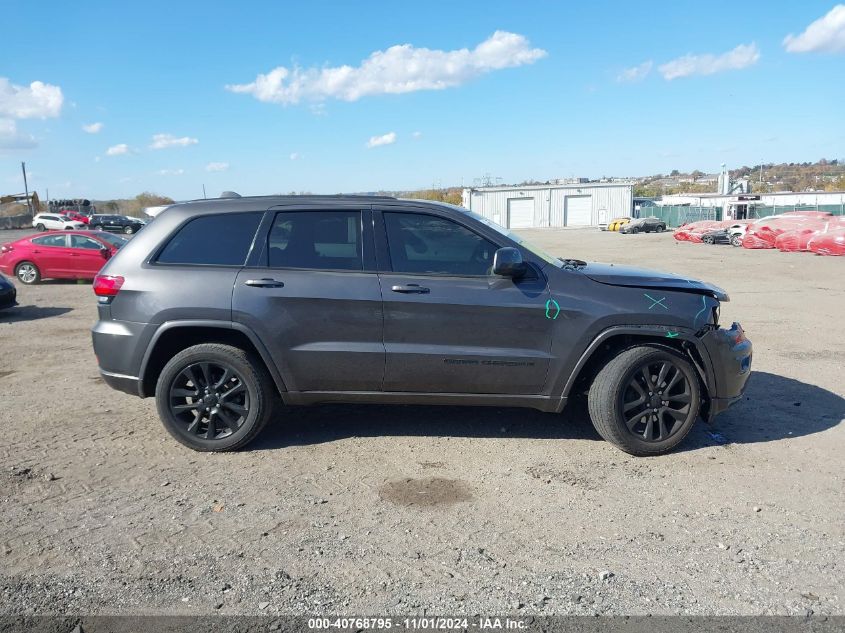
542,90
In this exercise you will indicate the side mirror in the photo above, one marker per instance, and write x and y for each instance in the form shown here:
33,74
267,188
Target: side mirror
507,262
106,253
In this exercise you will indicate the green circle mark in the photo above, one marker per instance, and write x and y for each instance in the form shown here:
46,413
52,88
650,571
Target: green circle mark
549,304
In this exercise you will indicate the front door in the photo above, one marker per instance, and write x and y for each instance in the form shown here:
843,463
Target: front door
450,326
86,256
313,297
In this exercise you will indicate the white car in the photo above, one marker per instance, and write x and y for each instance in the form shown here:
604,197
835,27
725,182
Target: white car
45,221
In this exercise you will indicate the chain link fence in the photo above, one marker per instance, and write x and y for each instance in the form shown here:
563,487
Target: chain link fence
676,215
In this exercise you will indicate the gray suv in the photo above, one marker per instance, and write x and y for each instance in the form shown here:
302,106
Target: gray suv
224,309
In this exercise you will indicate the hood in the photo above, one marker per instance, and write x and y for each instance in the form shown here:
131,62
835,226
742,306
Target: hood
615,275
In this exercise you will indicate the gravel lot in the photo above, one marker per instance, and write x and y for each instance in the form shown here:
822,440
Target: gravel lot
362,509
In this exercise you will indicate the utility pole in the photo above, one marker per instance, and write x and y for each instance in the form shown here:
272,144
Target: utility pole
26,188
203,192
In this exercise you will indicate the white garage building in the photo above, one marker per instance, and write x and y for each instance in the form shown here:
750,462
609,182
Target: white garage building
587,204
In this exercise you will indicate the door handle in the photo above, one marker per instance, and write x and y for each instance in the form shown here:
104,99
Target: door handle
411,289
266,282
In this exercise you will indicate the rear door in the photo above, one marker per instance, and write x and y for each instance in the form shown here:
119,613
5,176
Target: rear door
312,295
51,254
450,326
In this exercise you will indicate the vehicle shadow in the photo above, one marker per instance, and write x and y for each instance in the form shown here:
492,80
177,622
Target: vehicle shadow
774,408
30,313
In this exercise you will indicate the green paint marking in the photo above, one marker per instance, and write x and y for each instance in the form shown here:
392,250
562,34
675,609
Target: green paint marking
672,334
549,304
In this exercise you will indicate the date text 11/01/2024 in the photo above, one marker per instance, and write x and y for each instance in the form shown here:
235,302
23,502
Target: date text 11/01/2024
423,623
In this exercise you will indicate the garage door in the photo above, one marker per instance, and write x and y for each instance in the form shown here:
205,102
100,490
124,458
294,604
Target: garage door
579,210
521,213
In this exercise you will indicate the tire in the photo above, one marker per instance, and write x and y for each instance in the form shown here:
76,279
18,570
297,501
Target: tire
251,388
736,240
634,230
612,393
40,227
28,273
708,240
661,228
128,230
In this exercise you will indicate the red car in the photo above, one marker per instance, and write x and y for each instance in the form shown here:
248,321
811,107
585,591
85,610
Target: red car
73,215
59,255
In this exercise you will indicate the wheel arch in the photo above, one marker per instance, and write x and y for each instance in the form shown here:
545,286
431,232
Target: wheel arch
174,336
614,340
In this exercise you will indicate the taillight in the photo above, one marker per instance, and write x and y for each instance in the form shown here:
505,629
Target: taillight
107,285
6,248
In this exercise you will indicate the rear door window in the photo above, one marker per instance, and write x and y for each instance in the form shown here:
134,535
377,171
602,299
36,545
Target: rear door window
51,240
318,240
216,240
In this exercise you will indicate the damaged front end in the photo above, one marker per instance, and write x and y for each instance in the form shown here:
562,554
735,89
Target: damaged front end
730,353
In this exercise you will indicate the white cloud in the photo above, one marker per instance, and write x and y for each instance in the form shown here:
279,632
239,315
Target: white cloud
170,172
163,141
417,134
635,73
399,69
217,167
384,139
294,156
92,128
742,56
117,150
11,138
37,101
826,35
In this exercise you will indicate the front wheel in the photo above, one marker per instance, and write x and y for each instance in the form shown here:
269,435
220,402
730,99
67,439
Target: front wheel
634,230
645,400
736,240
129,230
40,227
708,240
214,397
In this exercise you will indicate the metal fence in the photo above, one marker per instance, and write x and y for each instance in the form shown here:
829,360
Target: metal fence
678,215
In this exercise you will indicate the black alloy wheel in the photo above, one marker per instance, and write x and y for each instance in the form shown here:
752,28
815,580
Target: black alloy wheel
210,399
657,401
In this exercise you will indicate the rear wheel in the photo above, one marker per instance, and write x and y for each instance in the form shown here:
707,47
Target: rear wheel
129,230
736,240
28,273
40,227
214,397
645,400
661,228
635,230
708,239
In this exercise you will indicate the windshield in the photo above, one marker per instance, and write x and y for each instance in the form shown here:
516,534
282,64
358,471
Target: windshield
539,252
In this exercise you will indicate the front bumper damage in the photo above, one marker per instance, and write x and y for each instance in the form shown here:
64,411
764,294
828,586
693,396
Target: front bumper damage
730,355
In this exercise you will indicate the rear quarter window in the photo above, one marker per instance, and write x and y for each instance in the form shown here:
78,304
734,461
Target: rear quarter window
215,240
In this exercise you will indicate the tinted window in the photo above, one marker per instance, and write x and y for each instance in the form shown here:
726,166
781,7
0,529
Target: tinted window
429,244
50,240
80,241
223,240
114,240
323,240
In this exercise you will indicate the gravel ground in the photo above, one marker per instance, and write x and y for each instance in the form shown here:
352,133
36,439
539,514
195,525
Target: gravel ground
400,510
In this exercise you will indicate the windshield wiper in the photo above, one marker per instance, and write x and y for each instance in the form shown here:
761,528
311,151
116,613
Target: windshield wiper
572,263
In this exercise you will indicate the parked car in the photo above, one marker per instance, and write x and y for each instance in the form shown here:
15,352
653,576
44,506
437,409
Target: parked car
65,255
617,223
221,308
8,293
729,235
54,221
116,223
644,225
79,217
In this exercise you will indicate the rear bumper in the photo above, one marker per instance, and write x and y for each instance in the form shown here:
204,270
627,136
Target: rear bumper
120,382
730,357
